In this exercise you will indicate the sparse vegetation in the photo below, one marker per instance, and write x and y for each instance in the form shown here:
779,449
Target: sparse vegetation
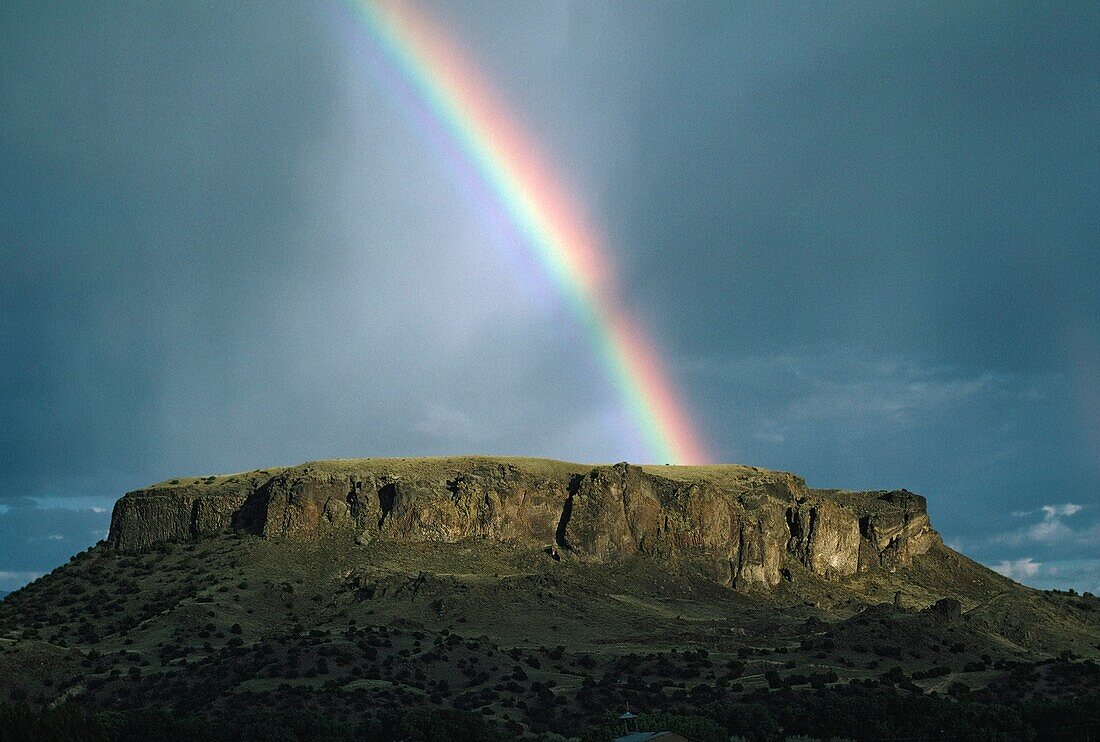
236,636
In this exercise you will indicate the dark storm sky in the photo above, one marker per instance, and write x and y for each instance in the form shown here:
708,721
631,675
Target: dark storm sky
866,235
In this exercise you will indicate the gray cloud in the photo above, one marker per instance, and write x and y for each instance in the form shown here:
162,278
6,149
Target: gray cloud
34,539
1082,574
1052,528
1019,570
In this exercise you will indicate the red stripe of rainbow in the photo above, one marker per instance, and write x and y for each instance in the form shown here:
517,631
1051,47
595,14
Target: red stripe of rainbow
512,171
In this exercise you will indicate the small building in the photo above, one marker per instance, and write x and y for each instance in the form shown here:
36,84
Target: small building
656,736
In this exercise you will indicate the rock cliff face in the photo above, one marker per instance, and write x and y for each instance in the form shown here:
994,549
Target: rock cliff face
744,526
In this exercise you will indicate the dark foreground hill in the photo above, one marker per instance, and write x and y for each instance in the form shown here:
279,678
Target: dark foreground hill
500,598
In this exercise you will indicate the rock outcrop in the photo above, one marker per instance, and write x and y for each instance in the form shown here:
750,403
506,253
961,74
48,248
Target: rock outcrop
742,525
826,538
900,532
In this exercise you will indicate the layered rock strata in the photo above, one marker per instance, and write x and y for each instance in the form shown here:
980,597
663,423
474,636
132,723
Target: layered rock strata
744,525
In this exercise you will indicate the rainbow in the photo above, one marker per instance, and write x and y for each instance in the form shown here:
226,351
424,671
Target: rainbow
511,172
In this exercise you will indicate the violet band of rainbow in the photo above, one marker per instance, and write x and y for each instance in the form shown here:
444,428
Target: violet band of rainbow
540,211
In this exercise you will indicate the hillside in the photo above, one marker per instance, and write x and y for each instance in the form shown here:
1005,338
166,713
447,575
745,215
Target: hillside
537,597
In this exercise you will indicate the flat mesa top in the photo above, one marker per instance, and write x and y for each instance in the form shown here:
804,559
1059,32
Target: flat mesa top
435,466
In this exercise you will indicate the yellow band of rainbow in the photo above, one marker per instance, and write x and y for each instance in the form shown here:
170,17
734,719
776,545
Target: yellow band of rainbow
540,211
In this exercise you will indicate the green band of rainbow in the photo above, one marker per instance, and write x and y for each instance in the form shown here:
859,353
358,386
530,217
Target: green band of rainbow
540,211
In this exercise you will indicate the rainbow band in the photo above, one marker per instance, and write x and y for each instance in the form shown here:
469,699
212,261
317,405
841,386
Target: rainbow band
538,209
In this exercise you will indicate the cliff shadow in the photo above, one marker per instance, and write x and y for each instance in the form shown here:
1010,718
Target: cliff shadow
387,495
250,517
567,512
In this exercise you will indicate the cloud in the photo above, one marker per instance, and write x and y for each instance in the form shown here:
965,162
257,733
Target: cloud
897,399
1080,573
16,575
1054,550
449,423
15,579
845,389
1019,569
96,504
851,419
1051,529
35,539
769,436
1067,509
